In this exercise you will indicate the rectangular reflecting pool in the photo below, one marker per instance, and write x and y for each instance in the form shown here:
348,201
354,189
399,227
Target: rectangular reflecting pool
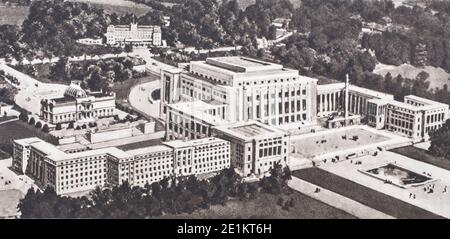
398,176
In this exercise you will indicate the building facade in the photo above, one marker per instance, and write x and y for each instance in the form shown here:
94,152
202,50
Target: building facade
247,89
193,120
255,147
78,106
90,41
415,117
83,171
138,36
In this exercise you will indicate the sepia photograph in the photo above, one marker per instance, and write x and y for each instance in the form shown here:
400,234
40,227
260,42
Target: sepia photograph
224,109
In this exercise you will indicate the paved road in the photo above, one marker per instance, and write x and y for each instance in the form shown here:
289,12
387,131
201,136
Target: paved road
336,200
31,91
7,121
139,98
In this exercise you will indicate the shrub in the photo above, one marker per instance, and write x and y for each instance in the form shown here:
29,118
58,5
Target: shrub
45,128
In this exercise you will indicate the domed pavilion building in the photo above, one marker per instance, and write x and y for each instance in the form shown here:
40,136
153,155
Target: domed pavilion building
78,106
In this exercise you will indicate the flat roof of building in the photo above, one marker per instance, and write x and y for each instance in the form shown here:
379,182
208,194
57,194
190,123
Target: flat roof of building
250,130
27,140
147,150
425,101
242,64
48,149
197,109
370,92
72,146
115,152
63,100
405,105
192,143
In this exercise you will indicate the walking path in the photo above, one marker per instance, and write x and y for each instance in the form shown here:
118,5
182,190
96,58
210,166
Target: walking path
436,202
7,121
338,201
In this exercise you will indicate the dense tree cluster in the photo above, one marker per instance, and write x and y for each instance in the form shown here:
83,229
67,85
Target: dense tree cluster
96,75
327,40
9,40
53,26
170,196
424,40
440,141
17,2
210,23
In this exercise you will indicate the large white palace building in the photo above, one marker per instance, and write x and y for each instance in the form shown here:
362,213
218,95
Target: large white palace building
247,101
138,36
232,89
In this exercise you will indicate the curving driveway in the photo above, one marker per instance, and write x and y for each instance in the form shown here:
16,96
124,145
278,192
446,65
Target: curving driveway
139,98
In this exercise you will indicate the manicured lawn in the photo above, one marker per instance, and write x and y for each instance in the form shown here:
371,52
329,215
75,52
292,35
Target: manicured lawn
265,206
364,195
12,15
119,7
17,130
423,156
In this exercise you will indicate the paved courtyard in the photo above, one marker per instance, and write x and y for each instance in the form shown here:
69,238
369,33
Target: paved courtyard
333,140
341,143
437,201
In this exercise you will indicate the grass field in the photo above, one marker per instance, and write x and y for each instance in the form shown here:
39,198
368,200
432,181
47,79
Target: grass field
438,76
12,15
17,130
265,206
119,7
245,3
364,195
423,156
